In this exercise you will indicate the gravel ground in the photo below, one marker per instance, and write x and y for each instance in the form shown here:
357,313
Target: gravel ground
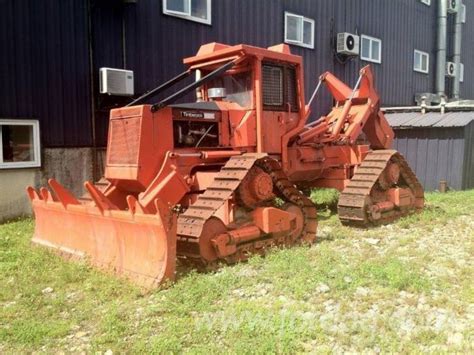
445,314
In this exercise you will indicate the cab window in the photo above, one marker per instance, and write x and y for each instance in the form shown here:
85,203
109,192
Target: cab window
279,88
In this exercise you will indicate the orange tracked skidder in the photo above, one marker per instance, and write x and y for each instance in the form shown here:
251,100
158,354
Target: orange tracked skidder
198,181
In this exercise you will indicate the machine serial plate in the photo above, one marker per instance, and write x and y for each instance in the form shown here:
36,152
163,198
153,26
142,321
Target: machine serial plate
194,114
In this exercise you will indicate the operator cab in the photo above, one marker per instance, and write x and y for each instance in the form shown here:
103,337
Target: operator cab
205,123
246,97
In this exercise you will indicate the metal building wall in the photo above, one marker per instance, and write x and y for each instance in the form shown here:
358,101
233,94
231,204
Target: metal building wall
44,68
45,71
156,43
107,51
434,154
403,26
468,173
467,52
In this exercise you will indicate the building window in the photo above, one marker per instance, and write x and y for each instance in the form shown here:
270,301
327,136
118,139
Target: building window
371,49
299,30
421,62
461,72
426,2
19,144
194,10
463,13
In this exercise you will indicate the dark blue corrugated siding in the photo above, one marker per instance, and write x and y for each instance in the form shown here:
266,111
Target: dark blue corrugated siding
403,26
44,68
156,43
434,154
467,52
44,64
107,51
468,173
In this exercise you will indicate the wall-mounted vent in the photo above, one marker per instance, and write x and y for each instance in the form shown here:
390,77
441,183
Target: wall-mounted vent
347,43
453,6
116,82
450,69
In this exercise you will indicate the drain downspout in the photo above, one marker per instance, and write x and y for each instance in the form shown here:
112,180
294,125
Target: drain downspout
457,54
441,47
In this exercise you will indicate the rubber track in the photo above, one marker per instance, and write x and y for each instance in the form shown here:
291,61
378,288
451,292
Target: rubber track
223,188
354,201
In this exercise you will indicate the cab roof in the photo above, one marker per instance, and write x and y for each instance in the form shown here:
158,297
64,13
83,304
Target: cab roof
216,52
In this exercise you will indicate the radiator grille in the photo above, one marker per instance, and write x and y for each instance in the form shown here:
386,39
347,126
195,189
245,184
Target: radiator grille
272,85
125,140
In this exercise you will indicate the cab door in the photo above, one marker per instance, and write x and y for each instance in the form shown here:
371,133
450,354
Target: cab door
280,104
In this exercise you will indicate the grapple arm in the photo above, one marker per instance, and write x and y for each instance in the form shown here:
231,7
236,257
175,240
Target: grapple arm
361,111
356,110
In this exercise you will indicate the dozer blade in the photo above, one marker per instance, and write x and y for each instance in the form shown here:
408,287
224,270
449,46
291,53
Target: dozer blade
139,246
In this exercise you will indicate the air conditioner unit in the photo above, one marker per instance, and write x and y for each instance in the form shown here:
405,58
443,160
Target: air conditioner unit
116,82
450,69
463,13
453,6
429,99
347,43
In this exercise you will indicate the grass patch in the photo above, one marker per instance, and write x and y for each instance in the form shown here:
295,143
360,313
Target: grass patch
325,198
33,331
441,208
354,290
393,273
